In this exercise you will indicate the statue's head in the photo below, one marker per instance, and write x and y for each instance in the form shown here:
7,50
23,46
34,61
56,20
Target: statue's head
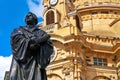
31,19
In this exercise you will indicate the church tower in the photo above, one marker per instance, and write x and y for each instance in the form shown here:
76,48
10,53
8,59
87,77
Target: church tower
86,37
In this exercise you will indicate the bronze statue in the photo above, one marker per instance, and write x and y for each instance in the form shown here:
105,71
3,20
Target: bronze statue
31,48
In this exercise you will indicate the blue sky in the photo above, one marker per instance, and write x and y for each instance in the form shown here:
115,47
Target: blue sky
11,16
12,13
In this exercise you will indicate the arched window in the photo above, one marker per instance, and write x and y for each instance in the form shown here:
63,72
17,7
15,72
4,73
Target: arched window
50,17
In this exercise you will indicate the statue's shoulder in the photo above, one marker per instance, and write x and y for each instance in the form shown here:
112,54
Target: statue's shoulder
42,31
17,31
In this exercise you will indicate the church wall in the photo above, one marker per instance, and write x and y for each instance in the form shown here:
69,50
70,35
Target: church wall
77,48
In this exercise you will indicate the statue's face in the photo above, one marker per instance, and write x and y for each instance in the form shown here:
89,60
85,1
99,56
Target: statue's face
31,19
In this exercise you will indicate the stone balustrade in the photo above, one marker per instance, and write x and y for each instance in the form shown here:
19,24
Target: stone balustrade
100,16
49,28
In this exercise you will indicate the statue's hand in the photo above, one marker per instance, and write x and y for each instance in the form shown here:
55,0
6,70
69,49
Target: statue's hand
33,43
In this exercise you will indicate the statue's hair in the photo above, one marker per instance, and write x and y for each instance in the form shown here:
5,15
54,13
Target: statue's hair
31,21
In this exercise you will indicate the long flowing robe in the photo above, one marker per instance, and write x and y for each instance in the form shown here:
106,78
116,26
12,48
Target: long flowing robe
28,62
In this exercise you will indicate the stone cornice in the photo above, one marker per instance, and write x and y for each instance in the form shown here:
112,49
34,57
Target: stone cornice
102,69
82,39
98,7
58,64
99,48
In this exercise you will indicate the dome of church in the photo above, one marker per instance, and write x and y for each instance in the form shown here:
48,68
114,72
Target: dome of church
99,17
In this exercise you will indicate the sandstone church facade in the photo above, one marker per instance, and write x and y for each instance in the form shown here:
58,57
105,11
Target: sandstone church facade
86,37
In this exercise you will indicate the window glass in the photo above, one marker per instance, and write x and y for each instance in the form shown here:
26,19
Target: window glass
95,59
100,61
49,17
104,60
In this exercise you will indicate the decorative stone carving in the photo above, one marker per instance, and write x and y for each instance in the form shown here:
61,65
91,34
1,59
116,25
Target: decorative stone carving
99,16
67,68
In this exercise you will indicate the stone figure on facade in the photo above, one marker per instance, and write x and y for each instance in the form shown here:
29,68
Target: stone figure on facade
31,48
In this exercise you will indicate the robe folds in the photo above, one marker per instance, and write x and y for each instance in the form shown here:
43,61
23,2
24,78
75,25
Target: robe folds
30,58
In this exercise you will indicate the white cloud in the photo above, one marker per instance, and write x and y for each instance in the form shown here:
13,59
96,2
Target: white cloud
5,63
36,7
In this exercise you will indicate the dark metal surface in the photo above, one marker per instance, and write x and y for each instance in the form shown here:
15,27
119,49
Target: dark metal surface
31,48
